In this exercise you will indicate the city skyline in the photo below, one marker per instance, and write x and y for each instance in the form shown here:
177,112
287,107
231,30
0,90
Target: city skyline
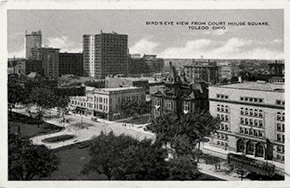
236,42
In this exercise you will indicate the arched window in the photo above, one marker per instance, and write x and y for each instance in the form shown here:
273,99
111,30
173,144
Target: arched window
218,108
226,109
255,112
259,150
251,112
240,146
256,122
279,116
250,148
246,111
260,113
242,111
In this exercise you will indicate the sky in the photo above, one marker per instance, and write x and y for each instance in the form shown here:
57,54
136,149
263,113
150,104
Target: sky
64,29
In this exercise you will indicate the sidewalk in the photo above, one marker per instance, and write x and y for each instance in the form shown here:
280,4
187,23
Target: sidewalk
210,170
208,149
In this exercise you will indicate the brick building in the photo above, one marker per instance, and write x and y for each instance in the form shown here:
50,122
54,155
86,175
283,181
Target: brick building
105,54
71,63
179,96
50,60
202,70
106,102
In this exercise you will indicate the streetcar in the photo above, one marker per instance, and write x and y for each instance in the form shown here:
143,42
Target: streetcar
251,165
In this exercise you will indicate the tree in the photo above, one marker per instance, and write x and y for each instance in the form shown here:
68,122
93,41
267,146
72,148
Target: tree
144,161
105,152
62,102
27,161
134,108
183,168
16,94
183,133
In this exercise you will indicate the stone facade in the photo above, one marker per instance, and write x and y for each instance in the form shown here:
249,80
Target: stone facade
252,118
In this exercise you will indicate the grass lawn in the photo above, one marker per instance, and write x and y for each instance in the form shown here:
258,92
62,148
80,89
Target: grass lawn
30,130
139,120
72,160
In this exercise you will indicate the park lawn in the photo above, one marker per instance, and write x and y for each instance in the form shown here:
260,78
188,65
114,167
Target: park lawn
30,130
72,160
139,120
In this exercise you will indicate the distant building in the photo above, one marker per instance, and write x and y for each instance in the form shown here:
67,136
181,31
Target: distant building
33,40
202,70
226,70
24,66
71,63
252,118
155,64
277,68
106,103
137,67
179,96
50,60
127,82
105,54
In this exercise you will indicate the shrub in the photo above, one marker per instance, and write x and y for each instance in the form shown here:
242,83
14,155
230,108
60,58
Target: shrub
58,138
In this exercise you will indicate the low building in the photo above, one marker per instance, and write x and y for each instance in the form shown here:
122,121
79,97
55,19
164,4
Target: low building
24,66
277,68
106,102
252,118
179,96
127,82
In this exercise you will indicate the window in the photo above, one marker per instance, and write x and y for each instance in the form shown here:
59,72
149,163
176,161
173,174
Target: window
241,130
261,123
280,149
242,120
256,122
185,107
169,104
226,127
242,111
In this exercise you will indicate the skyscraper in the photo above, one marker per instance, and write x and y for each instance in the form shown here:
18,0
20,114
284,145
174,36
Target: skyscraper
33,40
50,60
105,54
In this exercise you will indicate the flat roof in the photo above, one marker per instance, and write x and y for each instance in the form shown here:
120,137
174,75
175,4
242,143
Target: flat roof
277,87
116,88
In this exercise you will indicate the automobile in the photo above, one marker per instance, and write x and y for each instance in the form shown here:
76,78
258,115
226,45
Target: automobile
94,118
83,145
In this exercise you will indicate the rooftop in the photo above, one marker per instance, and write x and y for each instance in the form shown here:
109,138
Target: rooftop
115,89
259,86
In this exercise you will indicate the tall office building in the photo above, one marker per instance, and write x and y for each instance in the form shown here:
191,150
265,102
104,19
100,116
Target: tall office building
252,118
50,60
105,54
33,40
71,63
